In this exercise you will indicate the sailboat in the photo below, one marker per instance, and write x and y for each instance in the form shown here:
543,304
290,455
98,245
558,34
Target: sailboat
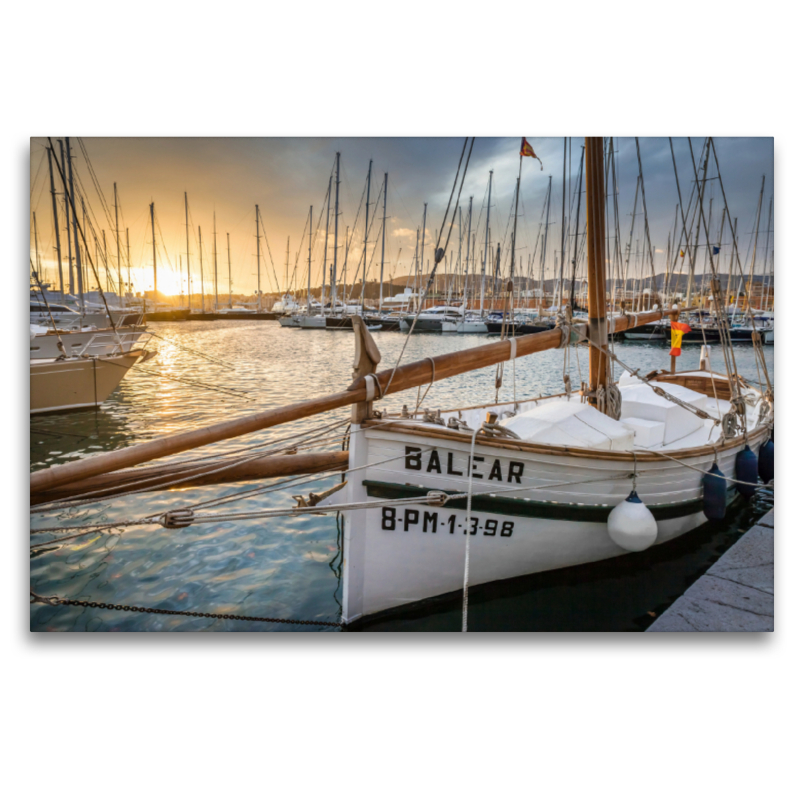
501,490
438,500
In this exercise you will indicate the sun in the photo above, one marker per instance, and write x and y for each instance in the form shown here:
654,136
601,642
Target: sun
169,283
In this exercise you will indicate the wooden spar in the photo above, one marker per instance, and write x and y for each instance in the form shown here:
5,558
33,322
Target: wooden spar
154,478
418,373
595,247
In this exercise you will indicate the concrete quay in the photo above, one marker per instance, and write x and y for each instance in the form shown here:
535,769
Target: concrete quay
736,594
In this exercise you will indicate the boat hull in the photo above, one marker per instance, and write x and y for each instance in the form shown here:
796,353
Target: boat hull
76,383
396,554
468,326
89,343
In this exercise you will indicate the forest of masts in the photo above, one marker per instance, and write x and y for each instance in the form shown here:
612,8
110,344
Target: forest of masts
549,268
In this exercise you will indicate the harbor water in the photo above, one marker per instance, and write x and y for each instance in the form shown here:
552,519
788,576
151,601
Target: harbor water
291,568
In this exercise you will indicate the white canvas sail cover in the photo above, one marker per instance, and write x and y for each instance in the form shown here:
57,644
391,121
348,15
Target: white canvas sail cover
641,402
573,424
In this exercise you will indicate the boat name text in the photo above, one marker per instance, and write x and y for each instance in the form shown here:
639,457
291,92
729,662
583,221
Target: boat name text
414,462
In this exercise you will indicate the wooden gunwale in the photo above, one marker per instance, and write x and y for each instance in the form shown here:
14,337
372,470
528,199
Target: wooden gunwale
449,434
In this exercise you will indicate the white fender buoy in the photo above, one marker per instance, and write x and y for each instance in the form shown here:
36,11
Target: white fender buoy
631,525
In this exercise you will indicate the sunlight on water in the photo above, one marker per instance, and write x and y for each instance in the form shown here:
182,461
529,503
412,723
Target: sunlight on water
278,567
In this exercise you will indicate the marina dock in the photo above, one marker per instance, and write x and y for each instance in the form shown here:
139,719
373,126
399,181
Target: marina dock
736,594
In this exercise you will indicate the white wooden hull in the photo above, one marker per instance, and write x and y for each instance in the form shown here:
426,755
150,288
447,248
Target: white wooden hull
399,554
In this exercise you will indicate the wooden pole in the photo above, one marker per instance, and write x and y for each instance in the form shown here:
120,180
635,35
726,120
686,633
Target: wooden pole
595,247
154,478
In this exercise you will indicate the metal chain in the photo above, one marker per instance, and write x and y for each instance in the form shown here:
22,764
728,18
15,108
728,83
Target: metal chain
65,601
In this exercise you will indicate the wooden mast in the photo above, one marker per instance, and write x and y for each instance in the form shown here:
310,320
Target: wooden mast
595,248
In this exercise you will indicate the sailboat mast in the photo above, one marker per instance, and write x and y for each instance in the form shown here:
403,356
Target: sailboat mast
595,249
70,272
78,268
105,259
335,238
486,242
383,236
544,243
258,261
202,281
155,264
466,268
366,227
287,264
325,258
38,262
230,282
766,255
310,239
421,262
55,222
116,234
216,285
188,268
563,231
128,249
749,288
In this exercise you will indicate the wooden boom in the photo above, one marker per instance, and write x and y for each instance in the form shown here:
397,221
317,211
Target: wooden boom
417,373
221,470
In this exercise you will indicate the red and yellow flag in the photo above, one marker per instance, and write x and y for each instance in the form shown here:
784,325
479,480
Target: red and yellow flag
527,150
678,329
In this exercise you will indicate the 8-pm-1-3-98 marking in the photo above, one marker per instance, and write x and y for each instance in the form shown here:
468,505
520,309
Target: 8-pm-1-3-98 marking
430,521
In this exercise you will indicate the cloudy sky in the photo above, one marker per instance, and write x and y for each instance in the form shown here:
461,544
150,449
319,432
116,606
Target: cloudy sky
229,176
